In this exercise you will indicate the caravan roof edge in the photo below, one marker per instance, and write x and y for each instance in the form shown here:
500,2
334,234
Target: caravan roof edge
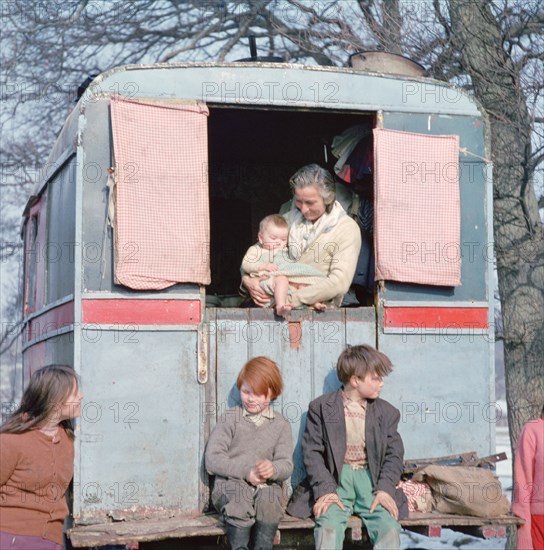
284,84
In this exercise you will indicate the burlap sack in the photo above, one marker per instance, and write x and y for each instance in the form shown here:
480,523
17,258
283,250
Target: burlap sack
464,490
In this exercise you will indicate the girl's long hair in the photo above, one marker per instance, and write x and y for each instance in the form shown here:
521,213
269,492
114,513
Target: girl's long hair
47,390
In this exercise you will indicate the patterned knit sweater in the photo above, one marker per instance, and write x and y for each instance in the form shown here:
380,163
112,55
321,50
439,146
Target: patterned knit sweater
237,443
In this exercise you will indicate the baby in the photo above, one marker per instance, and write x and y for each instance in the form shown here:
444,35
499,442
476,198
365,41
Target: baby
270,257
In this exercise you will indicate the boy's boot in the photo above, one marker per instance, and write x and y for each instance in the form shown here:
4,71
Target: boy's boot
238,537
326,538
264,535
390,541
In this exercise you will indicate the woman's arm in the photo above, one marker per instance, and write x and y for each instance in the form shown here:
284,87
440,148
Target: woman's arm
344,244
258,295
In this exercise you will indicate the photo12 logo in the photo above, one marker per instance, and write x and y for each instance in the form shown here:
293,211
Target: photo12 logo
270,92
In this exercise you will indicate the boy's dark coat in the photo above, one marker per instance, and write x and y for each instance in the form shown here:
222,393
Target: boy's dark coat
324,447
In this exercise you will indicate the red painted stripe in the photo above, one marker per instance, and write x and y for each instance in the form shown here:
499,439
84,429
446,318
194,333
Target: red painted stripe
436,317
493,531
434,531
141,312
50,321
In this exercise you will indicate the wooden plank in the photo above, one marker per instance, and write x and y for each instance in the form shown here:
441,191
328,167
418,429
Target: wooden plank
298,373
144,530
446,520
360,326
465,459
233,331
210,525
208,403
131,412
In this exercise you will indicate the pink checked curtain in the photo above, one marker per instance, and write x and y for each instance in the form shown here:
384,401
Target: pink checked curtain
161,193
417,208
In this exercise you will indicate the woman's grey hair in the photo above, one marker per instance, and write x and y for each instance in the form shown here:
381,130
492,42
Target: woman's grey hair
313,174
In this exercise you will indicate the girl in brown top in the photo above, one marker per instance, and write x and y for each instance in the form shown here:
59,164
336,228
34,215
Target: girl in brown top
37,461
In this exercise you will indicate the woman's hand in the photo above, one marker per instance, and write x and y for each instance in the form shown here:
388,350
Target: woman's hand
258,295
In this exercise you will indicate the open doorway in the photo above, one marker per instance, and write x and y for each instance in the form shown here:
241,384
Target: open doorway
252,155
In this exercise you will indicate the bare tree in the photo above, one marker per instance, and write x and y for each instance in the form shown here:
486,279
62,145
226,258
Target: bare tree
519,244
493,48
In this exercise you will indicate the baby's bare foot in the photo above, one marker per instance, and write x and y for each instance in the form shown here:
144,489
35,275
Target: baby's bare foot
283,310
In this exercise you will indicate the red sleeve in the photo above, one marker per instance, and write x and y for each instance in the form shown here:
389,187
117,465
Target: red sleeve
524,467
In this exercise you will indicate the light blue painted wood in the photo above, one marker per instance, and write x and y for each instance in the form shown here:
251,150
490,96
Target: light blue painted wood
361,326
307,358
284,85
440,383
138,439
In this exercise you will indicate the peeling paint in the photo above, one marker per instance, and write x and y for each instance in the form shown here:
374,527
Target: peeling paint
295,334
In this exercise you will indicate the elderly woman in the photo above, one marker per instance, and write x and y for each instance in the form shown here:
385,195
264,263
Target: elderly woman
321,234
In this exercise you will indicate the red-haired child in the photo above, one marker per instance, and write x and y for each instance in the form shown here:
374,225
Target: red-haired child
250,453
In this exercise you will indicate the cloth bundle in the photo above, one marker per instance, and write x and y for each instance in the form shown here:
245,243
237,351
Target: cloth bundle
464,490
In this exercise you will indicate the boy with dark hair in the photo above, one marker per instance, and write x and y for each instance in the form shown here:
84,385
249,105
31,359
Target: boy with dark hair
353,456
